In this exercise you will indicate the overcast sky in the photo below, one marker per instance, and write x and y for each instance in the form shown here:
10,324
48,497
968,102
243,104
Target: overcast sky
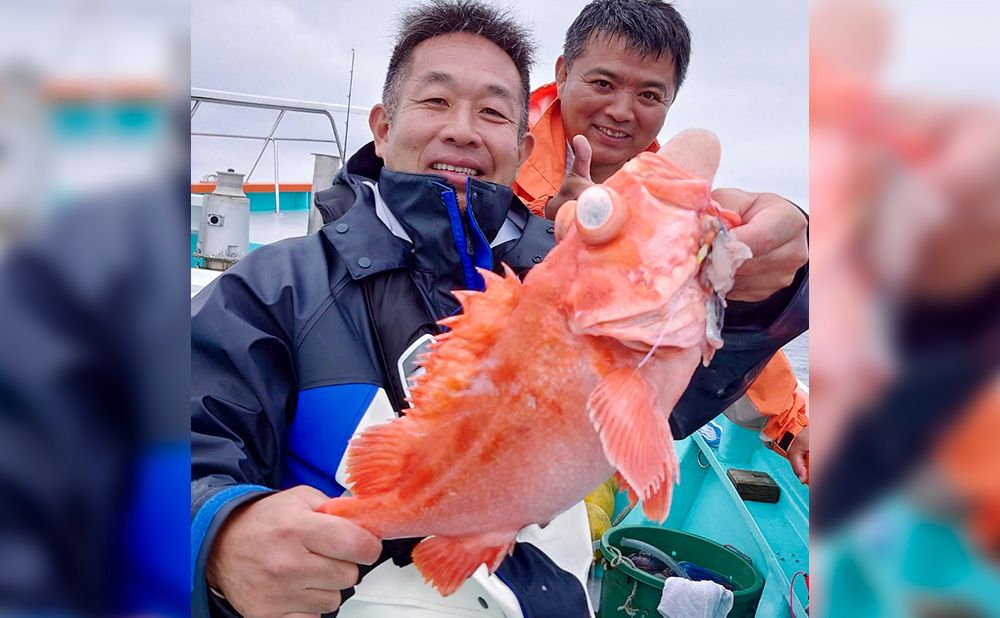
747,80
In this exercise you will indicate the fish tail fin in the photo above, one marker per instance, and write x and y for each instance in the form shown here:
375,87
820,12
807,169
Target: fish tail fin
369,514
375,457
446,562
347,507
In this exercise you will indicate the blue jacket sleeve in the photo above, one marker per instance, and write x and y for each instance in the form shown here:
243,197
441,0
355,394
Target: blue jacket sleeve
753,332
242,388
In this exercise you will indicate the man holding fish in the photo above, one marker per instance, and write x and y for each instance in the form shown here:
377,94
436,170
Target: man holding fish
309,341
622,66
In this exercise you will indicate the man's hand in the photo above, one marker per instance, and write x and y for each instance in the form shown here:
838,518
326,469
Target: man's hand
278,556
798,455
576,180
775,231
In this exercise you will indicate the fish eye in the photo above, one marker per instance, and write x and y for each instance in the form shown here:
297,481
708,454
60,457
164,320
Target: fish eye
601,215
593,208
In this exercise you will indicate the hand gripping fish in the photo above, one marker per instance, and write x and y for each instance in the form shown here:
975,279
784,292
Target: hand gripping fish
539,391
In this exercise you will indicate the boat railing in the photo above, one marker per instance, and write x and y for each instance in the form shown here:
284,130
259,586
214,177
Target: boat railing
202,96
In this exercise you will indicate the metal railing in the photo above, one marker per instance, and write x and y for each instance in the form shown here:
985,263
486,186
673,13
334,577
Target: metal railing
282,106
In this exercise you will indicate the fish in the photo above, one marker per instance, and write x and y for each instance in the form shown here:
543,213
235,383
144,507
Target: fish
539,391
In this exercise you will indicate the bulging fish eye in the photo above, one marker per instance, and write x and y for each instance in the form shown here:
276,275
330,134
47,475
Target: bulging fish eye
600,215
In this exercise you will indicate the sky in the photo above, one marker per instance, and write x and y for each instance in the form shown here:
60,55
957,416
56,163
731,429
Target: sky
747,80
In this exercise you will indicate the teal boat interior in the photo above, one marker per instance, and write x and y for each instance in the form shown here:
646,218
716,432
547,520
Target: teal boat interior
775,537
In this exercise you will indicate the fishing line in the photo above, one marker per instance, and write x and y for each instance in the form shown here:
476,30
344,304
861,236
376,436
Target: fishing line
652,349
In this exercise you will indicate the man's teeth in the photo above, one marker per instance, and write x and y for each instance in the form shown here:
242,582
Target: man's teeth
468,171
612,132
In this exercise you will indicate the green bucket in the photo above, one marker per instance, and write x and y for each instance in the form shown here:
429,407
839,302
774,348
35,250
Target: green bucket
631,589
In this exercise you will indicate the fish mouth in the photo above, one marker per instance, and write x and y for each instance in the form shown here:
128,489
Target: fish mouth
638,346
640,332
679,322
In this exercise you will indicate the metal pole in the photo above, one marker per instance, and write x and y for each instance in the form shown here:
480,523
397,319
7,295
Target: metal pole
281,115
260,137
336,135
324,171
350,87
277,190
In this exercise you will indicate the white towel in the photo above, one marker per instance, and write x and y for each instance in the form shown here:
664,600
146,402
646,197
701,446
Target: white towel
683,598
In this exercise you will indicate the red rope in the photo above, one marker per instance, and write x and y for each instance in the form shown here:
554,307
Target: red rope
791,590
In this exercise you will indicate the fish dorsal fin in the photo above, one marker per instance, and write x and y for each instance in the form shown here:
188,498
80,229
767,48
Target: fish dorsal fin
453,358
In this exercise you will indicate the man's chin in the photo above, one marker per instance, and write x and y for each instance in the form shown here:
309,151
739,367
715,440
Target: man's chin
606,156
610,160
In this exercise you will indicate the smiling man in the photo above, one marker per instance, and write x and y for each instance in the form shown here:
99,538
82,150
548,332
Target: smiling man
617,103
307,341
451,111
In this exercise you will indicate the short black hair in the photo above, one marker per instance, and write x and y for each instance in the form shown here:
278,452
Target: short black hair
648,27
440,17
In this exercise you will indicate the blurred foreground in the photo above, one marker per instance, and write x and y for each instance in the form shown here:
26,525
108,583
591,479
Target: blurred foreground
905,249
93,309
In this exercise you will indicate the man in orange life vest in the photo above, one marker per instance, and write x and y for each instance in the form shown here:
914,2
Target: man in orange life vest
623,62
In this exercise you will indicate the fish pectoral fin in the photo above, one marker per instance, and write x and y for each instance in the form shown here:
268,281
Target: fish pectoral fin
623,485
656,505
635,435
446,562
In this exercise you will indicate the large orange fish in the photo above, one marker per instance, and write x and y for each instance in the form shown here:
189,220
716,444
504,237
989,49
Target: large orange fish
542,390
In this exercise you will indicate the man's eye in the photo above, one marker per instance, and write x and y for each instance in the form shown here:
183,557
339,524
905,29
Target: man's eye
651,96
436,101
489,111
601,83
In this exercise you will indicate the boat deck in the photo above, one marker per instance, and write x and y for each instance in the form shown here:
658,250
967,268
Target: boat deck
774,536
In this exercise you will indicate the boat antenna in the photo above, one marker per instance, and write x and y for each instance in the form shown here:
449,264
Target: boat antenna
350,87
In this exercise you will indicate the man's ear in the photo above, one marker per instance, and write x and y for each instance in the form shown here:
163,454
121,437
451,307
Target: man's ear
378,122
562,72
525,148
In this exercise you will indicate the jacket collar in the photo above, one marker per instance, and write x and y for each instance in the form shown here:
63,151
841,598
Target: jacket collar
424,206
420,202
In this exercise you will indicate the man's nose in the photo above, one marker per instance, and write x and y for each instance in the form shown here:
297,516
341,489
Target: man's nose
461,127
620,107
